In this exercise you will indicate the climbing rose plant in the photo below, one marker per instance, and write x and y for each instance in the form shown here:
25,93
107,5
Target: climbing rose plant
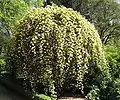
54,44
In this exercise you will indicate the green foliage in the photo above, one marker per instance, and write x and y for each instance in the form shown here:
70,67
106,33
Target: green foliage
117,87
110,88
10,12
57,46
2,64
3,68
44,97
107,24
34,3
94,94
112,54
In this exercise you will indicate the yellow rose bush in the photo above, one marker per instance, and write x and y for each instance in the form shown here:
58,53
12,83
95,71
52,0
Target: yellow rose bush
56,46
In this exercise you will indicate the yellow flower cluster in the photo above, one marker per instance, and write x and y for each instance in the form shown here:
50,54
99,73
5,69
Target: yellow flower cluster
54,44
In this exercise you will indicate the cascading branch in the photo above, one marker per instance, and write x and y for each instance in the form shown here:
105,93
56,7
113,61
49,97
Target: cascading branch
55,45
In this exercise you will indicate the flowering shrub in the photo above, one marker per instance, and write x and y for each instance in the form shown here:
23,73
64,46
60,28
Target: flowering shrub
57,46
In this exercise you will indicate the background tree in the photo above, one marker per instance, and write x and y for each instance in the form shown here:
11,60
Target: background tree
34,3
10,12
104,14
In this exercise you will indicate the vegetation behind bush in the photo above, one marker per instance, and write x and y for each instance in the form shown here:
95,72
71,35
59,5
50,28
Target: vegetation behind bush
112,53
